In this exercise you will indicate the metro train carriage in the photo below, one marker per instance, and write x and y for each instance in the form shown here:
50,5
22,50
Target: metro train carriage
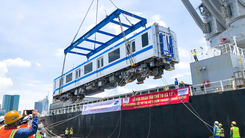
145,54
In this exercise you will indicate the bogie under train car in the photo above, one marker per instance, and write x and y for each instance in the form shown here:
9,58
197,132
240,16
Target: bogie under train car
145,54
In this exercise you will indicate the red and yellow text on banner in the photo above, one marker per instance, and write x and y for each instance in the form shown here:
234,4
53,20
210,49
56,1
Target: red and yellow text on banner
174,96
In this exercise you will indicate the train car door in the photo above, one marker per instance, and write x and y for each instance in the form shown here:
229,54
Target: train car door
100,64
130,49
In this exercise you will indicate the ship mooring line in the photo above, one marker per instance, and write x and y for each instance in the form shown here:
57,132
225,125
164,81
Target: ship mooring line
120,124
149,131
91,127
116,126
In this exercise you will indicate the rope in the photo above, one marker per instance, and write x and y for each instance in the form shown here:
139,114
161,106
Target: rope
149,131
116,126
82,21
105,8
62,72
91,128
120,124
129,53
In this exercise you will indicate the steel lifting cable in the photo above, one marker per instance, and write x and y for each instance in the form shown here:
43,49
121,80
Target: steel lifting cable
122,14
129,53
62,72
96,18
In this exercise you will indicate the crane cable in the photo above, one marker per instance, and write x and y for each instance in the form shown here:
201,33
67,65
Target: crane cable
129,52
96,18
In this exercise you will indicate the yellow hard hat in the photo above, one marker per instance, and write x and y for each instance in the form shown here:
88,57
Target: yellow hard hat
39,127
233,122
11,117
220,124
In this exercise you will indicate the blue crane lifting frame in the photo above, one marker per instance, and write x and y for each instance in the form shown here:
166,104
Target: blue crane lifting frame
108,19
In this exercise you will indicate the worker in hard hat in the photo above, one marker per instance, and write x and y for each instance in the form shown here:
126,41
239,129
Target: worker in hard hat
71,132
234,133
24,124
67,132
216,133
12,120
1,121
38,133
194,54
176,83
165,88
222,131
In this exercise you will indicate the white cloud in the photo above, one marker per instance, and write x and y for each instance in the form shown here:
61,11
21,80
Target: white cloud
157,18
38,64
17,62
182,65
3,69
184,53
59,52
5,82
177,76
188,73
29,84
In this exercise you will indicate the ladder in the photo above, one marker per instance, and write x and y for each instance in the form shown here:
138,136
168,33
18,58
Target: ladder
198,75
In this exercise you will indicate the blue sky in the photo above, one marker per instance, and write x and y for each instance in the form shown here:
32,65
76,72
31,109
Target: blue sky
33,35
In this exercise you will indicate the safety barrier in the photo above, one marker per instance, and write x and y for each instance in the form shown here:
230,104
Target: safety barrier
212,87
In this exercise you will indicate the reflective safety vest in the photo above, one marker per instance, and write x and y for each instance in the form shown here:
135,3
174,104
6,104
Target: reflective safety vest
222,133
194,53
71,131
38,135
235,131
166,88
26,126
217,131
66,132
7,133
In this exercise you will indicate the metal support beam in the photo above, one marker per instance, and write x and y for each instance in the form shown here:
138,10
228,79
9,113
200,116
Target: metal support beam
77,53
82,48
193,13
124,25
105,33
96,42
100,25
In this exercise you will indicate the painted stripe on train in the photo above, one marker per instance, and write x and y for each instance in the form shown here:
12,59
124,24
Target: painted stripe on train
110,65
103,52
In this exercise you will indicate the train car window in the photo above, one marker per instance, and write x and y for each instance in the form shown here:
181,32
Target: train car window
133,46
144,39
68,77
102,62
54,85
114,55
78,73
88,68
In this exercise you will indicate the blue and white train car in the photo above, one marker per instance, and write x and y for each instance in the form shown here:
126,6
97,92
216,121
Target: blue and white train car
147,53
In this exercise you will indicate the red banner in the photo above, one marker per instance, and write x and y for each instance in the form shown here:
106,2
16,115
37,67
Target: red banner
174,96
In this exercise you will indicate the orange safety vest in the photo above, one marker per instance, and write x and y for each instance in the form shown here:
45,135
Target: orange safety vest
7,133
26,126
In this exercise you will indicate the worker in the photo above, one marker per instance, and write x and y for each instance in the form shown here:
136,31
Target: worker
176,83
233,83
67,132
38,133
234,133
165,88
216,133
222,131
71,132
12,119
194,54
1,121
24,124
135,92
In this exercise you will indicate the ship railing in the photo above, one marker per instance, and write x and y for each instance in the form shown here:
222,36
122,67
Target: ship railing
219,50
212,87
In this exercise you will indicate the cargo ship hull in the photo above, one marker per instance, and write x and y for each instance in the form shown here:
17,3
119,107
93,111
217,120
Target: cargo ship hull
168,121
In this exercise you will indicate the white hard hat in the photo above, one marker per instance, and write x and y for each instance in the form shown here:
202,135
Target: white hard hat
1,118
216,122
27,118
